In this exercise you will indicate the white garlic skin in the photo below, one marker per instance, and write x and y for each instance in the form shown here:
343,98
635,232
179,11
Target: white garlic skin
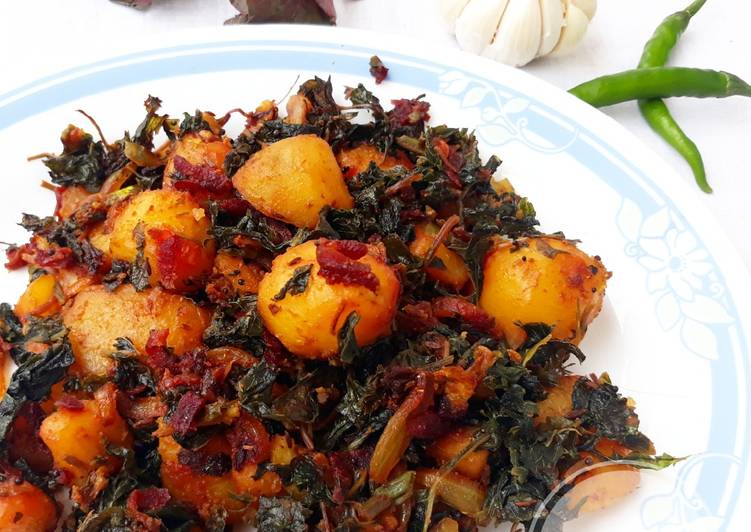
574,27
519,34
517,31
551,12
477,23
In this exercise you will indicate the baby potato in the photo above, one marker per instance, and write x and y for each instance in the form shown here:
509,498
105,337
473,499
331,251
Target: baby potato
97,317
202,148
207,492
558,402
544,280
99,237
78,434
447,267
25,508
41,298
596,486
175,232
293,179
232,277
356,160
308,322
444,449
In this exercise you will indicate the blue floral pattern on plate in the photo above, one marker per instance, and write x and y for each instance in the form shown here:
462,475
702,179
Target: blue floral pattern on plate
690,297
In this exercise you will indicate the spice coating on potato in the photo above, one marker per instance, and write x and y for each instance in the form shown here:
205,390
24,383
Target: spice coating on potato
444,449
308,323
79,432
599,483
174,230
25,508
196,165
207,492
198,148
97,317
41,298
446,267
545,280
559,401
293,179
358,159
232,277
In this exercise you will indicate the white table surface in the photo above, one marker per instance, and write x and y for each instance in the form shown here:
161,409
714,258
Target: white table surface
38,37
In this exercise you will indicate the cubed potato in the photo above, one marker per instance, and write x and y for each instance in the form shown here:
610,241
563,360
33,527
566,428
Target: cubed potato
283,449
99,237
558,402
356,160
544,280
293,179
598,482
443,450
175,232
233,277
25,508
202,148
447,267
206,493
41,298
446,525
78,434
97,317
308,323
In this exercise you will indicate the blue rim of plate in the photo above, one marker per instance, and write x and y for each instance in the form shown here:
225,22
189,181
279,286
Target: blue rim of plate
717,487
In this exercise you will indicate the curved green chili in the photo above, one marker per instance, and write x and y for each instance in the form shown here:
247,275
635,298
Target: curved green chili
662,122
660,82
666,35
655,111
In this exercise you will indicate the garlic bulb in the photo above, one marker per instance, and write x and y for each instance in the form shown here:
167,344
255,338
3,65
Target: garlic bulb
517,31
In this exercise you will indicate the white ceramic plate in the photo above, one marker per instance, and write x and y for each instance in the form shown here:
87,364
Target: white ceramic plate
673,331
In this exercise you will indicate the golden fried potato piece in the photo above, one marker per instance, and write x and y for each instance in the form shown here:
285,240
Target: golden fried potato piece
175,232
444,449
599,483
206,492
78,433
308,323
198,148
358,159
447,267
558,402
544,280
25,508
41,298
97,317
293,179
233,277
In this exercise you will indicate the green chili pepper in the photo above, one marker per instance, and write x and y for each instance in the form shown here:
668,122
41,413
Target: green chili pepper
655,111
665,37
658,116
660,82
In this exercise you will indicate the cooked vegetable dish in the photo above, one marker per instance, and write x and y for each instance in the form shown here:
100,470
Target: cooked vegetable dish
336,321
